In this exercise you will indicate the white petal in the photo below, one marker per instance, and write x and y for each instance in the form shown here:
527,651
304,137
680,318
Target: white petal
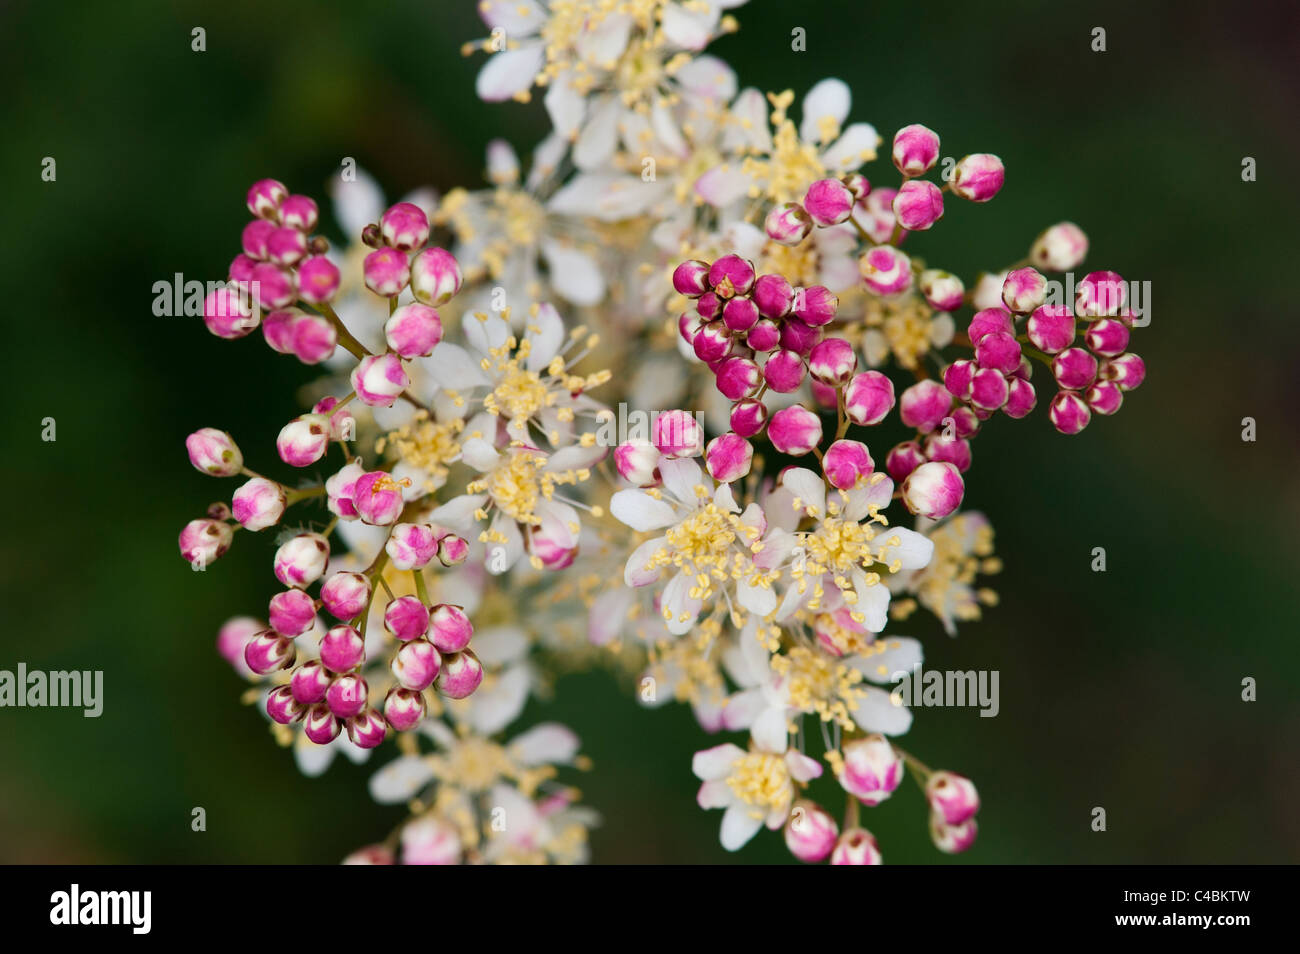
604,45
479,454
546,159
484,334
400,780
715,763
770,730
743,708
683,609
640,511
878,713
574,274
312,759
509,72
357,203
681,477
715,794
803,768
599,136
517,17
756,599
723,185
901,655
856,146
500,645
495,706
453,369
912,549
635,572
707,77
549,742
608,197
749,127
738,827
873,602
566,107
808,489
458,512
828,100
502,163
608,613
689,29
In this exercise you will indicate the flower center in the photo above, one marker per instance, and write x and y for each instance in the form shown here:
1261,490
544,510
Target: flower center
762,780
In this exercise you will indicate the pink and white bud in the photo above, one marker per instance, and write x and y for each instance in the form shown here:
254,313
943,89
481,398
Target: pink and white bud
311,338
406,618
299,212
1104,397
461,674
878,219
847,464
286,246
228,314
815,306
773,295
310,681
347,695
413,330
857,183
1023,290
1051,328
955,451
943,291
966,423
1100,294
435,277
321,726
1062,247
788,224
411,546
933,490
958,378
268,652
453,550
709,306
304,440
204,541
301,560
1021,399
292,612
998,350
832,361
794,430
255,238
738,378
637,461
677,434
924,405
691,278
872,769
379,378
318,280
764,336
342,425
377,498
283,708
916,149
810,832
1069,412
339,489
233,637
886,270
904,458
712,342
265,197
918,205
798,336
740,314
731,275
404,226
1107,338
272,287
416,665
258,504
1127,370
828,202
952,797
1074,369
869,398
952,839
430,841
748,417
403,709
449,629
989,389
986,321
214,452
367,730
386,271
978,177
856,846
728,457
688,324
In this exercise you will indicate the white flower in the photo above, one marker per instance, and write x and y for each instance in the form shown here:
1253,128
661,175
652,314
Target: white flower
756,788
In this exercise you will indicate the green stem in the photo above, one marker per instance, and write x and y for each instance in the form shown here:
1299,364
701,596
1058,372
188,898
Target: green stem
351,344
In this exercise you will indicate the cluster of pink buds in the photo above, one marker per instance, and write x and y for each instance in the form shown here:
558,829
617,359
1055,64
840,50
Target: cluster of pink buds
953,805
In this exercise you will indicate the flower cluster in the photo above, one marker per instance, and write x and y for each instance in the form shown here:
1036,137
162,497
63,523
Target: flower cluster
638,407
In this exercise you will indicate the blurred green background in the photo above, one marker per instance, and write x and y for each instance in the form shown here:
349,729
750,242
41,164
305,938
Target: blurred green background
1119,690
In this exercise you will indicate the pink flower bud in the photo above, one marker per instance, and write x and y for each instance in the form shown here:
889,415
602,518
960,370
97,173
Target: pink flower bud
241,270
1051,328
857,184
774,296
637,462
978,177
342,425
461,674
933,490
309,682
283,708
1104,397
406,618
728,457
435,277
404,226
1023,290
286,246
227,313
794,430
943,291
869,398
367,730
339,489
301,560
691,278
310,338
955,451
292,612
856,846
872,769
916,149
272,287
416,664
268,651
886,270
214,452
378,498
386,271
828,202
815,306
740,314
918,205
379,378
764,336
787,224
799,337
832,361
1068,412
738,378
347,695
998,350
784,371
258,504
688,323
748,417
952,797
958,378
318,280
810,833
1062,247
1128,371
731,275
1074,369
321,726
411,546
255,237
677,434
304,440
878,219
342,649
403,709
966,423
708,306
847,464
265,196
904,458
988,320
449,629
1099,294
233,637
711,342
1021,399
204,541
924,405
430,841
989,389
413,330
952,839
453,550
1107,338
299,212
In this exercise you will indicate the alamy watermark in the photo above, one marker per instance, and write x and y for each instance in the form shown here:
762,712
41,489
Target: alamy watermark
77,689
935,688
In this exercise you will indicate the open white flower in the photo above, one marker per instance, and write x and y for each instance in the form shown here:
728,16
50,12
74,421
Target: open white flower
755,788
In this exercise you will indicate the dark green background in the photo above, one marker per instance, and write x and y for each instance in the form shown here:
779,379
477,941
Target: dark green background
1119,690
